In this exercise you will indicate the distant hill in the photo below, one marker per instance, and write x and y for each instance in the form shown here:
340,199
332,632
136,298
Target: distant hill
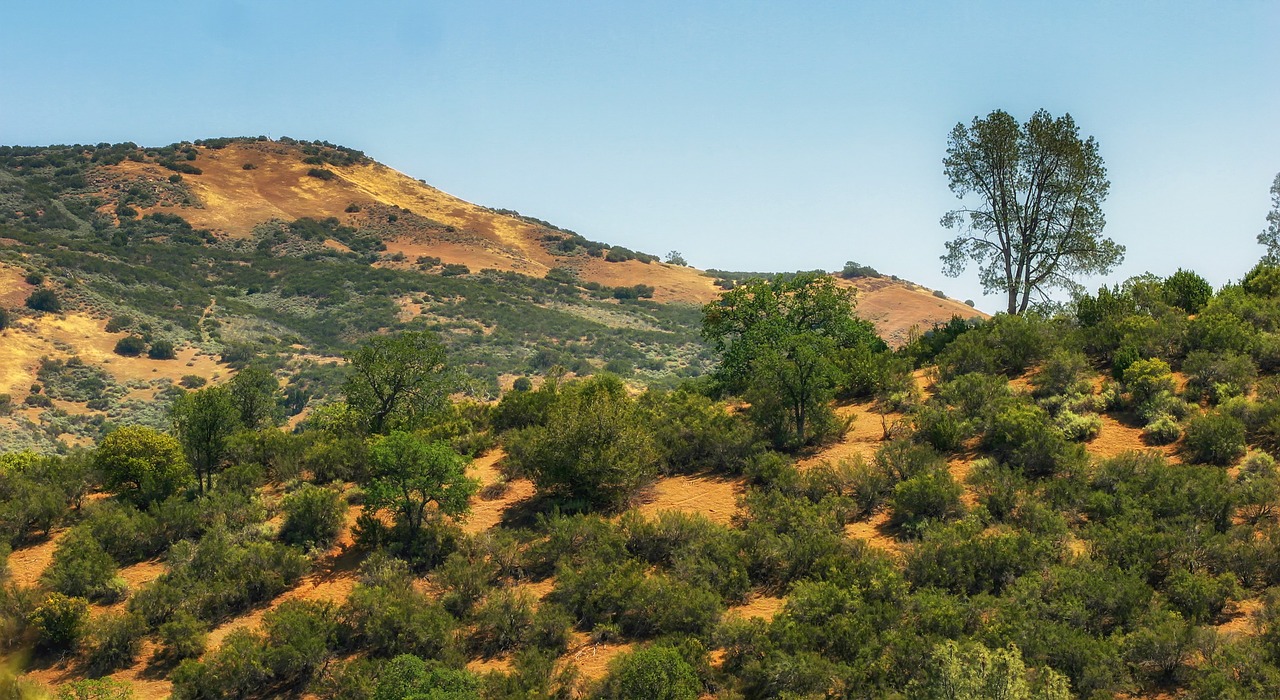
293,250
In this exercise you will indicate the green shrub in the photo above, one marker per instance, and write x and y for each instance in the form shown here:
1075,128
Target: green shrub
82,569
1024,436
1187,291
595,450
314,517
142,464
1078,428
44,300
389,617
1162,431
1215,438
321,173
130,346
1064,373
161,350
4,318
941,428
659,672
1200,596
933,496
114,642
1218,376
59,622
95,689
183,636
408,676
503,623
192,381
1147,380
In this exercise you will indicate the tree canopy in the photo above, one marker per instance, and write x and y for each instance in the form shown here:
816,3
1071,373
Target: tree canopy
397,380
1033,220
779,341
1270,236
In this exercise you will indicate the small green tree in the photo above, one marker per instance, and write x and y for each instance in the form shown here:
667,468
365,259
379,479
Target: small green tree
593,449
130,346
791,391
203,420
313,516
658,672
254,391
1188,291
398,380
416,480
81,568
1270,236
142,464
971,671
59,622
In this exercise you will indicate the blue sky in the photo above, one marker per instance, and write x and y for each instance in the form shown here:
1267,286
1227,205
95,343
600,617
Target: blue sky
765,136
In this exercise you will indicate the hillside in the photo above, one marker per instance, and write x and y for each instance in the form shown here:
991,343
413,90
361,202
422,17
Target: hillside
1079,506
230,248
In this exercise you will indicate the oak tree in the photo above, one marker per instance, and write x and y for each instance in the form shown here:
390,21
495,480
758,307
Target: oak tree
1032,214
397,380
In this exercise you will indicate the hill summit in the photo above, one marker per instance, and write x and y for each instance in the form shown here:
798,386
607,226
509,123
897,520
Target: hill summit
169,267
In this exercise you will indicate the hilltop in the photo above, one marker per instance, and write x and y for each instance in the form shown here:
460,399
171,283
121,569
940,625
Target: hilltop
229,248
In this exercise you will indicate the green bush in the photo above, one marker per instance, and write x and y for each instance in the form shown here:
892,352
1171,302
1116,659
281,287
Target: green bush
1215,438
161,350
183,636
1162,431
595,450
142,464
95,689
1146,380
59,622
1199,595
1218,376
933,496
130,346
659,672
1024,436
408,676
44,300
314,517
389,618
941,428
114,642
82,569
1064,373
1187,291
1078,428
503,623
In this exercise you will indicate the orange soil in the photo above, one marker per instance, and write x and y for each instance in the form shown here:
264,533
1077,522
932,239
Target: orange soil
488,513
26,564
1116,438
14,289
713,496
592,659
764,606
865,436
145,686
1243,618
875,531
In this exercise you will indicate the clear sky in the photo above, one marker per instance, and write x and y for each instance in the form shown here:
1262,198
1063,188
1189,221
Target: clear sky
748,135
